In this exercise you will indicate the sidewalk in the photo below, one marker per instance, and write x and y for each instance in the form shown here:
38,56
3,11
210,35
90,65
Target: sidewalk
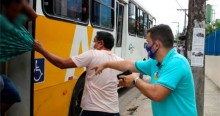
142,106
212,99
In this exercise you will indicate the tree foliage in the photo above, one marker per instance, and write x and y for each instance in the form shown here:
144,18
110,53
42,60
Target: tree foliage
212,27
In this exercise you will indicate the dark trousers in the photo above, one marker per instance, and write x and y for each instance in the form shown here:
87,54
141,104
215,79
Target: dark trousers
97,113
9,93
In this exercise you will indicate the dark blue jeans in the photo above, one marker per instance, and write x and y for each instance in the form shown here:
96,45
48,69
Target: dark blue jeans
97,113
9,93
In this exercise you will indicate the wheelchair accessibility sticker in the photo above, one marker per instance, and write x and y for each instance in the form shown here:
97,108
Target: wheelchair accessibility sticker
39,70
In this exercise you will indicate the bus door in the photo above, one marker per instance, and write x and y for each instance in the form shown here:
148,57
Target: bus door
119,28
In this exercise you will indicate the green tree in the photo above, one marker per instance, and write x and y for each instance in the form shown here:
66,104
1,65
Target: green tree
217,24
212,27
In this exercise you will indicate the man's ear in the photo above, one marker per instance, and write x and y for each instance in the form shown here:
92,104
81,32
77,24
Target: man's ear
158,43
102,42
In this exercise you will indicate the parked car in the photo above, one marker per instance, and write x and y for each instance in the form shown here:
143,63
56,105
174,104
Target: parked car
200,35
198,54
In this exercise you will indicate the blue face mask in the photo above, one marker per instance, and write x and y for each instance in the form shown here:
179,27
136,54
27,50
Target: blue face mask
151,54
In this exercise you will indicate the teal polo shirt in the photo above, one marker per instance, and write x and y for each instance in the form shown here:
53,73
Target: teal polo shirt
175,74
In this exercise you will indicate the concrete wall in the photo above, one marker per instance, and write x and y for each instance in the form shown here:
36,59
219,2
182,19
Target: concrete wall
212,68
19,71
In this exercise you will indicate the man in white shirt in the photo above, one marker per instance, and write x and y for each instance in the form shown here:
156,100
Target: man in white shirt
100,97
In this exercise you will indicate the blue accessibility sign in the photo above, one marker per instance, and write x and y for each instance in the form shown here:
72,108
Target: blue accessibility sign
39,70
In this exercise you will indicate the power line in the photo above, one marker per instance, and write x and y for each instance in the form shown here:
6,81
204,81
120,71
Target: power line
179,4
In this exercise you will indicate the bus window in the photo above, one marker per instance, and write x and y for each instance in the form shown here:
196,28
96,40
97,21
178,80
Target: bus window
140,23
103,13
132,19
145,24
48,6
119,24
150,23
70,9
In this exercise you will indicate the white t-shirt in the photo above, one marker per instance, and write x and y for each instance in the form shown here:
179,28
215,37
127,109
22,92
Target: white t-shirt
100,91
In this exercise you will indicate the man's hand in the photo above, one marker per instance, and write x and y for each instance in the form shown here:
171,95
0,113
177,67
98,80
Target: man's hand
98,69
127,80
38,46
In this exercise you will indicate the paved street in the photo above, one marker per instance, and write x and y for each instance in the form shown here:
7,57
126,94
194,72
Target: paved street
126,95
132,103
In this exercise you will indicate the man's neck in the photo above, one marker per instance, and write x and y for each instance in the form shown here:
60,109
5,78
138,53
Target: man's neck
105,49
162,54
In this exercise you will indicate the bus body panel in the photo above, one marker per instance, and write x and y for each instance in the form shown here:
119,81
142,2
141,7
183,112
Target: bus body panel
54,100
56,82
57,37
135,48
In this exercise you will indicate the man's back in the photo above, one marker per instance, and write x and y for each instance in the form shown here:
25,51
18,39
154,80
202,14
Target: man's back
100,91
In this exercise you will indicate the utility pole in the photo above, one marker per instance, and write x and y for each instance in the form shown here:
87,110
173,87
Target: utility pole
185,10
178,31
177,27
196,20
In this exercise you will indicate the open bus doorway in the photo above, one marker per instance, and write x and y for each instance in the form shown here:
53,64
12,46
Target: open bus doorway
19,71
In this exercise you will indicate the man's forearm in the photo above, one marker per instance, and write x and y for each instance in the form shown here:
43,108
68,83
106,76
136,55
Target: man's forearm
153,91
122,65
55,60
146,89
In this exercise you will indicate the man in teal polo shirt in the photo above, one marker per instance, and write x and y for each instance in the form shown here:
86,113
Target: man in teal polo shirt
172,85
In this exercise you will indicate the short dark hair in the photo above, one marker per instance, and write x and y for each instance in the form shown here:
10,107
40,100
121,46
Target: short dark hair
107,38
8,2
162,33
